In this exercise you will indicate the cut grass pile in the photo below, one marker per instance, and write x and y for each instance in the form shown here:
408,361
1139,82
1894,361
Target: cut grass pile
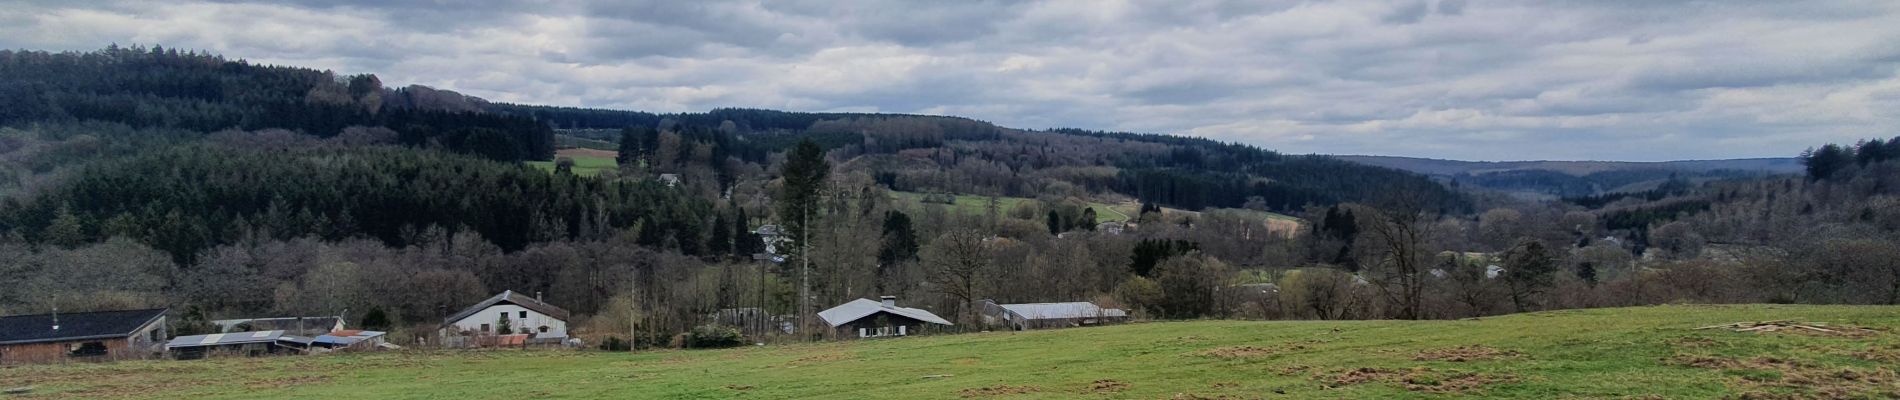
1643,352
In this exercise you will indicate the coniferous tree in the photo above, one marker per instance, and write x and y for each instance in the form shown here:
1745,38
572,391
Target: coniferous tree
803,178
899,239
1528,268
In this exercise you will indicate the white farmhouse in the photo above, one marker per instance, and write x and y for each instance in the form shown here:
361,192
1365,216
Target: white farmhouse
525,316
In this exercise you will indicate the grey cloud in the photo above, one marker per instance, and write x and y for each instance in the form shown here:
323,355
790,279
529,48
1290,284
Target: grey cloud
1408,13
1559,79
1451,7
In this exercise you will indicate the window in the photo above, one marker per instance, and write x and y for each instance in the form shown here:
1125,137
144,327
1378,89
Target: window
544,329
484,328
524,314
504,315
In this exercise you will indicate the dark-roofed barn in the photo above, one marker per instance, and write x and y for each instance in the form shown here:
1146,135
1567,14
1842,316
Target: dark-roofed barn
101,335
863,318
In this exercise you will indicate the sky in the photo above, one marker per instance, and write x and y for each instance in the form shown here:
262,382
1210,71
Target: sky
1632,80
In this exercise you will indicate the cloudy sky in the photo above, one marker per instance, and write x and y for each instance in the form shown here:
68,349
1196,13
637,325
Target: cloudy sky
1463,79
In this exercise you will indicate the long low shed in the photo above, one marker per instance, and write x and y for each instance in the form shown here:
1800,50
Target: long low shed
237,343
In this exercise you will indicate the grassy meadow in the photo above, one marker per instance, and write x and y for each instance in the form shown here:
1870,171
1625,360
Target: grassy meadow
1644,352
976,205
587,162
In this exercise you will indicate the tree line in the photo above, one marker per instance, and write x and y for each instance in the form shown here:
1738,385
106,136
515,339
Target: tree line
166,88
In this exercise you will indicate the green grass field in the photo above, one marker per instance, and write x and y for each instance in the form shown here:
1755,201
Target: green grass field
586,162
1104,212
976,205
1645,352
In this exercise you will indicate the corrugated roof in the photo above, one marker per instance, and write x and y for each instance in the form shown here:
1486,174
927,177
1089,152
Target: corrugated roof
860,308
220,339
346,338
510,297
38,328
308,326
1062,310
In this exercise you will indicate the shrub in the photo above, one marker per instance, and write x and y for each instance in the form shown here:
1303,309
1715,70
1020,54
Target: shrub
713,337
615,343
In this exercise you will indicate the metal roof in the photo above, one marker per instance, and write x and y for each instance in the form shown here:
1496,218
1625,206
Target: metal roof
346,338
220,339
860,308
509,297
296,325
38,328
1062,310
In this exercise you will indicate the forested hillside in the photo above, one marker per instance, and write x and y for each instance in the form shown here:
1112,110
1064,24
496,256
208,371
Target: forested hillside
1557,179
934,153
167,88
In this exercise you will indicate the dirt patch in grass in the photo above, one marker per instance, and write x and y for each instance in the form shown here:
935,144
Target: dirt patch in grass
1466,353
285,382
999,390
739,387
1701,361
1356,376
1419,379
1248,351
966,361
1692,342
1887,354
1456,382
1777,378
1107,386
1191,396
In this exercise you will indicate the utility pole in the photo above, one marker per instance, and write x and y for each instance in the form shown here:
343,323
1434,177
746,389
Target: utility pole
804,259
633,294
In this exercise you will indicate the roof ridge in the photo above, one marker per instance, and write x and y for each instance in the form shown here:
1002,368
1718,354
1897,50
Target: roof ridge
85,312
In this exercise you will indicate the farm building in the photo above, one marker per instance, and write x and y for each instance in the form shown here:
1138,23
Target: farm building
346,340
865,318
299,326
250,344
1050,315
102,335
507,315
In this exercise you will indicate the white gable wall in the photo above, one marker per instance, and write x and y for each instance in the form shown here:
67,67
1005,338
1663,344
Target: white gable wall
534,321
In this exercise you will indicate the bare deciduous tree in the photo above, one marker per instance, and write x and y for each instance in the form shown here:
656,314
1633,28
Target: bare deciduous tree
957,262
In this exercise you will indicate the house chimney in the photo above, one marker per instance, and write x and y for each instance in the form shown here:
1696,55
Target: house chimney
537,296
890,301
56,318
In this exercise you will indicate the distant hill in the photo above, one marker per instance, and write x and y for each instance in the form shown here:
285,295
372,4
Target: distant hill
1545,179
1432,166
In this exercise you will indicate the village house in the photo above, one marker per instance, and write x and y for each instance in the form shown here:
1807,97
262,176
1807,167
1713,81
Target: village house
864,318
508,318
100,335
1050,315
772,236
